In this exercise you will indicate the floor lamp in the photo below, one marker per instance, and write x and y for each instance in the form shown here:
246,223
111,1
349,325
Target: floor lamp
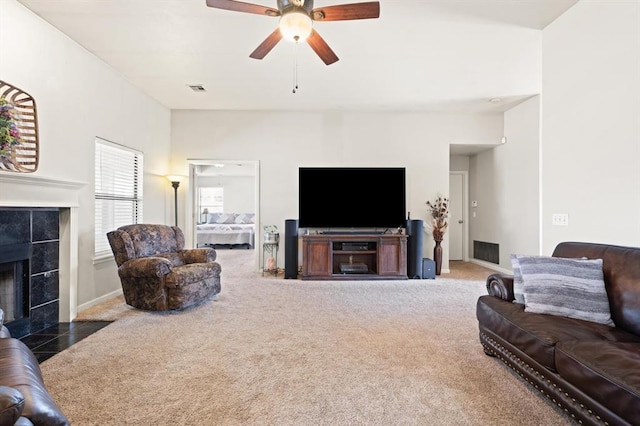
175,183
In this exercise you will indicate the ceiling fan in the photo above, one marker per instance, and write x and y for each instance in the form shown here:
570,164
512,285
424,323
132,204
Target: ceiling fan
296,22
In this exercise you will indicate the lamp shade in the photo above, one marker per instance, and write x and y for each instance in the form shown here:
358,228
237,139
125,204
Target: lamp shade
295,26
175,178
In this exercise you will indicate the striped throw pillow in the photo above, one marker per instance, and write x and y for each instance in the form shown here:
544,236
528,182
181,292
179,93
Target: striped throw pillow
518,284
572,288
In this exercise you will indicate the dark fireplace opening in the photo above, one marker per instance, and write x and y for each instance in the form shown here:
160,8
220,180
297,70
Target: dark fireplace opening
14,286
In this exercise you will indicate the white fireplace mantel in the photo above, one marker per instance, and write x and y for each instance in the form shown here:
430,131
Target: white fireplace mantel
20,190
39,180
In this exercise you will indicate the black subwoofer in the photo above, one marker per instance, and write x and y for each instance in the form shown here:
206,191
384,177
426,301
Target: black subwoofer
415,233
291,248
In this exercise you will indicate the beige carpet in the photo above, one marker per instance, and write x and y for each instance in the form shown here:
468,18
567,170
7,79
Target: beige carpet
116,308
270,351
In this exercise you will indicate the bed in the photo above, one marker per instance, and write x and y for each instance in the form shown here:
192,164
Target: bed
229,229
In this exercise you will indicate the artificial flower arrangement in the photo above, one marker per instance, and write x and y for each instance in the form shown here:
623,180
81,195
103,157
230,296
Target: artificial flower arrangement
271,229
9,134
271,234
439,212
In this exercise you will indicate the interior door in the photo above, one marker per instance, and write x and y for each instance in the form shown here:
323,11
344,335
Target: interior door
456,216
239,197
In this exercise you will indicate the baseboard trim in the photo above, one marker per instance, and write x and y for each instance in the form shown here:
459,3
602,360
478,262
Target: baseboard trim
99,300
490,265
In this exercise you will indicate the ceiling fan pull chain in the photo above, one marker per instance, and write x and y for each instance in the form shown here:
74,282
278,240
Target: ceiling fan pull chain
295,64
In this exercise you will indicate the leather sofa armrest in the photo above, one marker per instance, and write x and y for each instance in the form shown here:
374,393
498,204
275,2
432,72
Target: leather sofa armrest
145,267
11,405
500,285
198,255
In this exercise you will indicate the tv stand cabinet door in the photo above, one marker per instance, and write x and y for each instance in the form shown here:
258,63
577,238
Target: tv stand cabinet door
392,257
316,257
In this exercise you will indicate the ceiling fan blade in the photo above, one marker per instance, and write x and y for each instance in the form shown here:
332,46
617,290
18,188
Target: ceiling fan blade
346,12
266,46
238,6
321,47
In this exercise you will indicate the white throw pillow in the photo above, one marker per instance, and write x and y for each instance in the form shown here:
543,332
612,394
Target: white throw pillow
226,218
572,288
213,217
245,218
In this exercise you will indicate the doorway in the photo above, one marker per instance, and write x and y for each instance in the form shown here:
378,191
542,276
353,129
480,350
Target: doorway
225,188
458,221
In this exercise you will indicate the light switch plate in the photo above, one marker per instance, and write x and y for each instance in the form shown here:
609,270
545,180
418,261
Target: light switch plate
560,219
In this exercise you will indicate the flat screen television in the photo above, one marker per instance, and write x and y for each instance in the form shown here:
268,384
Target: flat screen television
351,197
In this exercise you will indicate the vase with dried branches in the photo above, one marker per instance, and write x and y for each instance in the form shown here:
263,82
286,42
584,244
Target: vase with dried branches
438,209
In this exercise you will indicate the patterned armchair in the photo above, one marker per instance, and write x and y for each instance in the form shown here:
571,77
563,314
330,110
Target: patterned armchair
157,273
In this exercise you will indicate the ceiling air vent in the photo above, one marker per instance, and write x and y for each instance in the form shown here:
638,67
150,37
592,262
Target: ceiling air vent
197,87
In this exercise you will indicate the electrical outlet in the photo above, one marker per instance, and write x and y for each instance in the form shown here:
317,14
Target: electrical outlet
560,219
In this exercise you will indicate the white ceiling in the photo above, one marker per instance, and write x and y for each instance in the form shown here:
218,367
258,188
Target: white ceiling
420,55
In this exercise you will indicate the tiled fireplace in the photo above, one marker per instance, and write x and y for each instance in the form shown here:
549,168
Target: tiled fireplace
29,268
39,228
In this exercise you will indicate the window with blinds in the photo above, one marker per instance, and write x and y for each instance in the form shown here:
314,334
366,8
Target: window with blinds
118,191
211,198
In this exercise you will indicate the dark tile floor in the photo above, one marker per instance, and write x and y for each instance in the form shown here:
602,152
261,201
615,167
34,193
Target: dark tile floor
48,342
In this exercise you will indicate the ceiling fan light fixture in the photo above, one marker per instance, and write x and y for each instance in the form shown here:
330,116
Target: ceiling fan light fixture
295,26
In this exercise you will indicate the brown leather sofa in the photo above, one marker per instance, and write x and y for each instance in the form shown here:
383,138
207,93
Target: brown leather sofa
589,370
23,397
157,273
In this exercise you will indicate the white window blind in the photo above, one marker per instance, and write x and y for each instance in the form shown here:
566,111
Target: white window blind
118,191
211,198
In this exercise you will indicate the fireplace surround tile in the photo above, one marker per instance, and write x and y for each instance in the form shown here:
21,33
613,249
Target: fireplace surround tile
45,257
46,225
15,227
44,316
46,343
44,288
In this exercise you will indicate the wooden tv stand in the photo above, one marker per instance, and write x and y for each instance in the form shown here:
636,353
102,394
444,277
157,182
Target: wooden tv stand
354,257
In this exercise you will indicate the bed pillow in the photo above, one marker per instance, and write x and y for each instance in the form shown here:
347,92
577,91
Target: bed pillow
213,217
226,218
245,218
571,288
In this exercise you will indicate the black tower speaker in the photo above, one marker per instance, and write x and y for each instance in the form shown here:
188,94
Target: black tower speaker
414,248
291,248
